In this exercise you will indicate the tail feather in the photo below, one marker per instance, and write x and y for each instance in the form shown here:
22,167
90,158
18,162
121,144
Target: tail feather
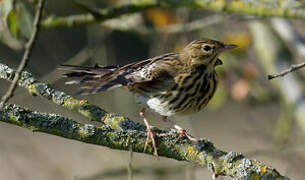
94,79
81,71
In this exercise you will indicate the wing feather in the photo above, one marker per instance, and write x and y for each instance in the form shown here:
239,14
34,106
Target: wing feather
102,78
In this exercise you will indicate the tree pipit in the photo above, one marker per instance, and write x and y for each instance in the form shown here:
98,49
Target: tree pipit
170,84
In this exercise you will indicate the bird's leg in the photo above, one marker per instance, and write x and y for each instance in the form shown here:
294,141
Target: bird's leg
182,132
150,133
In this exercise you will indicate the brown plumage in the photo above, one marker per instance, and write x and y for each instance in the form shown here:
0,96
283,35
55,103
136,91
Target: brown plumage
170,84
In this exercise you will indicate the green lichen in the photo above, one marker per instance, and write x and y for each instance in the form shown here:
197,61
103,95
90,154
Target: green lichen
90,111
114,121
32,90
6,72
258,175
86,131
71,103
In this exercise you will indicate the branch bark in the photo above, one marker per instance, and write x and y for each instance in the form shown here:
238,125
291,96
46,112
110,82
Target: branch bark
289,9
133,135
119,132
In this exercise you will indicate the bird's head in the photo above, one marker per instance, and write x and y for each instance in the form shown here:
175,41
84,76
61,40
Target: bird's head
205,51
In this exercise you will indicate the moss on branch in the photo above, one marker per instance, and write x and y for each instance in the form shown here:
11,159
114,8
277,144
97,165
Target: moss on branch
281,8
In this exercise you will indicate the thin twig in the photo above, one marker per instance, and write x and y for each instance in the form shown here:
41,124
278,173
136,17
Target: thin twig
129,168
289,70
119,173
26,56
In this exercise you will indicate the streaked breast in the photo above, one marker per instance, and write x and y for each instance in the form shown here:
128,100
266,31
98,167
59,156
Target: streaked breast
193,94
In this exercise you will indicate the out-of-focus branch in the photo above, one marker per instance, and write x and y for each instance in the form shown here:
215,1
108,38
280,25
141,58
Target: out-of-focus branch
158,172
99,15
129,167
132,23
121,133
26,56
289,70
286,30
259,7
292,38
191,26
274,57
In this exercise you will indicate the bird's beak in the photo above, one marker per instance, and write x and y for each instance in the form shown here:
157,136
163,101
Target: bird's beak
227,47
230,46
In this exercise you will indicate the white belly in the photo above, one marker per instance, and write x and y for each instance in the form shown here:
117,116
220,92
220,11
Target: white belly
154,105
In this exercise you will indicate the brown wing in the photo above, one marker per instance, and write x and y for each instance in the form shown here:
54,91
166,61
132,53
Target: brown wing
98,78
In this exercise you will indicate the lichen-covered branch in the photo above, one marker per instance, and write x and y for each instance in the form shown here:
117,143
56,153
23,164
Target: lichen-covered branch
132,135
282,8
44,90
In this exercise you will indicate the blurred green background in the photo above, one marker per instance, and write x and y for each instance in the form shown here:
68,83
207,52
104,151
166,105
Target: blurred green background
263,119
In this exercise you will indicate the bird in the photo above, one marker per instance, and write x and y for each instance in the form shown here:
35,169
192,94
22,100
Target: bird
170,84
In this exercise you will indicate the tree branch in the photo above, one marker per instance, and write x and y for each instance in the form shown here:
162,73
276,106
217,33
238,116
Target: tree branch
286,71
26,80
26,56
133,135
119,132
123,24
261,8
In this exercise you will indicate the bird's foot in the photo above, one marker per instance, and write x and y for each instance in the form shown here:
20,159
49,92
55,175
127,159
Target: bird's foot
182,133
151,136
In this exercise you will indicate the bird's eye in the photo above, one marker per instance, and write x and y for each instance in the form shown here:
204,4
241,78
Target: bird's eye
207,48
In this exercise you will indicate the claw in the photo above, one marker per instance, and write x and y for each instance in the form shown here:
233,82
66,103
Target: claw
182,132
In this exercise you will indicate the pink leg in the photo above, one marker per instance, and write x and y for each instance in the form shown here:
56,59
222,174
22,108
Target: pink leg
150,133
180,130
